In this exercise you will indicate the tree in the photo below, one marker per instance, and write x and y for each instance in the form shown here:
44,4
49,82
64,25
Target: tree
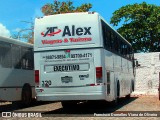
26,34
141,26
29,37
50,9
64,7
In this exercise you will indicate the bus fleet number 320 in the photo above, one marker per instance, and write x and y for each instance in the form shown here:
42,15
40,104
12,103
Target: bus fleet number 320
46,83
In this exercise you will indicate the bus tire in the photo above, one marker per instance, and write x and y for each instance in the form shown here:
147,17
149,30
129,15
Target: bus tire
132,85
68,104
114,103
26,97
118,90
128,96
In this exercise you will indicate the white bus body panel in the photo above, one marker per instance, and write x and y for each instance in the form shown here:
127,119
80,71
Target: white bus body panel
12,80
80,87
80,34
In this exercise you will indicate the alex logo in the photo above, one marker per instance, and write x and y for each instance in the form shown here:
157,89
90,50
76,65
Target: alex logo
51,31
67,31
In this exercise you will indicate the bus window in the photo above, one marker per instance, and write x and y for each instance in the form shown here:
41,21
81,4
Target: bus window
16,56
29,56
125,50
108,83
104,34
112,41
5,55
119,45
27,59
24,60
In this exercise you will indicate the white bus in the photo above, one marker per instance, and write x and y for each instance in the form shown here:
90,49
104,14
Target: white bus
16,71
78,56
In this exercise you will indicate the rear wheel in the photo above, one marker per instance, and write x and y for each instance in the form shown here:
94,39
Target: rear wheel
115,102
131,89
26,95
132,85
128,96
69,104
118,90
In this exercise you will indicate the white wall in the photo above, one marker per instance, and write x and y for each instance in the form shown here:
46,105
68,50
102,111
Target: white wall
147,75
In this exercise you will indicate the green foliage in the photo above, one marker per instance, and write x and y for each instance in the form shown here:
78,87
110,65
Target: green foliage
50,9
25,34
64,7
141,26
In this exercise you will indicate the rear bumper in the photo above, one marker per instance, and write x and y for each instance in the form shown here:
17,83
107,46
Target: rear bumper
71,96
71,93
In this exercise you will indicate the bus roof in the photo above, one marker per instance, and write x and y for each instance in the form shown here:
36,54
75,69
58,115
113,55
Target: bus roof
90,13
15,41
52,31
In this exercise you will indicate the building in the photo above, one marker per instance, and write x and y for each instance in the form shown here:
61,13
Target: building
147,74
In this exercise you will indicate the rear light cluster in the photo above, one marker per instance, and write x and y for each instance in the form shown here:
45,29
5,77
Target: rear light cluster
36,77
99,75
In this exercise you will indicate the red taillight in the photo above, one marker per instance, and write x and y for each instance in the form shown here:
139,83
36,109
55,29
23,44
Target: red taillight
37,76
98,72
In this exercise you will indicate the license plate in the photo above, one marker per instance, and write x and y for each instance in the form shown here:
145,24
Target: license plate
66,79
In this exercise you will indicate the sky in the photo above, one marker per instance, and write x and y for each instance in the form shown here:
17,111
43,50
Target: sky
13,13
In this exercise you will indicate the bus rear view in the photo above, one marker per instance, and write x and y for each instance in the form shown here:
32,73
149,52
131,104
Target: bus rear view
71,62
68,57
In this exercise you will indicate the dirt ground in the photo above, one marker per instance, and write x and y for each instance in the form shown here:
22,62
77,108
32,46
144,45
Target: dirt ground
137,107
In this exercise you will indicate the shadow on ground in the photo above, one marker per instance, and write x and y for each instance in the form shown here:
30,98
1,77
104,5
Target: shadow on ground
83,109
16,106
89,108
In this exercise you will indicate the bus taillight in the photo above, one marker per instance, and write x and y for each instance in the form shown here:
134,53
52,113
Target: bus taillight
37,77
98,74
